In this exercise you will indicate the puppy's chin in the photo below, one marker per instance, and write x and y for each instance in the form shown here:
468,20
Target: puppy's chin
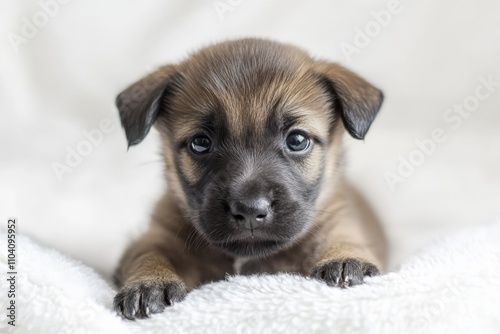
252,248
259,243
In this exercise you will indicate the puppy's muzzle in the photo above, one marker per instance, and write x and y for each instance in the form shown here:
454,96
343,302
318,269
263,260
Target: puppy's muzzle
251,213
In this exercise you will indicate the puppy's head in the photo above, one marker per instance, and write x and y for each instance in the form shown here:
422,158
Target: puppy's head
251,132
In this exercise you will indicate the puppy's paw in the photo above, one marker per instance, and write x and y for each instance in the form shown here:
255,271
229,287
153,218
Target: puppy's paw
142,298
344,272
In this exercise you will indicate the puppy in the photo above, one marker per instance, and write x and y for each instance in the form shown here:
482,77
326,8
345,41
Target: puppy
252,142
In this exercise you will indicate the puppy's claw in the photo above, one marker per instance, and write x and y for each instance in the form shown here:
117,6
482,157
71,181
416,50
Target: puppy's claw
371,270
344,273
141,299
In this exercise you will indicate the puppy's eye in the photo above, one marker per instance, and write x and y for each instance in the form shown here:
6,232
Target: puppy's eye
297,141
201,144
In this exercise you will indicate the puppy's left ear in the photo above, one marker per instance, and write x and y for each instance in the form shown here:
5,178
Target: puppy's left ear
357,100
140,103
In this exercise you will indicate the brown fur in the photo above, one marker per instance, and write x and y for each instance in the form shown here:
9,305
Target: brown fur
344,230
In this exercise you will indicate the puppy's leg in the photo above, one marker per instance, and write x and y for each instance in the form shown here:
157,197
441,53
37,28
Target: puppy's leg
354,246
169,259
147,277
345,263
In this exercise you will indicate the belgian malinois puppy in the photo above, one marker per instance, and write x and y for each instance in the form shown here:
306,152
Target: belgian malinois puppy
252,141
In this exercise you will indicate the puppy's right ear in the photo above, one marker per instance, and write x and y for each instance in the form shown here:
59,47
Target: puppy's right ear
139,104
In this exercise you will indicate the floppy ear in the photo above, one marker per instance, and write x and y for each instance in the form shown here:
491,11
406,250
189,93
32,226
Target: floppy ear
140,102
357,100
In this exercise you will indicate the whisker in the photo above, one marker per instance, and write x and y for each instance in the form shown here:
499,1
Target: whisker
324,211
149,162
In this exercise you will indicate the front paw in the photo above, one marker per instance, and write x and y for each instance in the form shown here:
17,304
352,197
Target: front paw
344,272
142,298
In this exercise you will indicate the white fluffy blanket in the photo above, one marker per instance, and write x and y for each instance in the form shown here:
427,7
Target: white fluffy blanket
452,286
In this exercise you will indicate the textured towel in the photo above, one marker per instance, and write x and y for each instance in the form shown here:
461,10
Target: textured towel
452,286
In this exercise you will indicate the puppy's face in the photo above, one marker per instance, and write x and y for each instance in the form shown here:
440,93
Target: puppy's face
251,133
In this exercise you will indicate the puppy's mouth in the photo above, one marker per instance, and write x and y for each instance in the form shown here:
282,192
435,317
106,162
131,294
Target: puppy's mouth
252,247
251,243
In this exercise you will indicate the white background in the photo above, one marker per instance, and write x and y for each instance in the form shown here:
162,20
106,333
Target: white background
64,79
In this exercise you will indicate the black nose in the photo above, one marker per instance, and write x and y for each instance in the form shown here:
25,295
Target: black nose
250,214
